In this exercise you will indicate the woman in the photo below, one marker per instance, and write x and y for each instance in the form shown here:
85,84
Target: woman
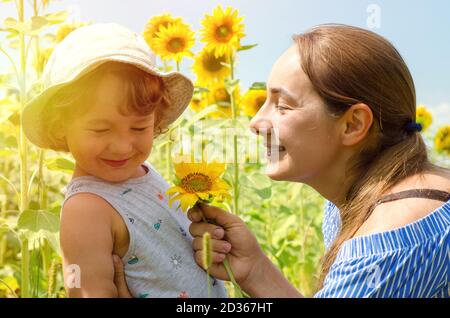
342,104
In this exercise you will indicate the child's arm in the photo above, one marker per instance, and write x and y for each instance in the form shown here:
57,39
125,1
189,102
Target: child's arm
87,240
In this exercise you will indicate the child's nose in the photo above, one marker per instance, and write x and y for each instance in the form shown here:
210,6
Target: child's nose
121,146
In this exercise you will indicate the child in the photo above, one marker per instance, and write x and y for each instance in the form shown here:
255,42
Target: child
104,102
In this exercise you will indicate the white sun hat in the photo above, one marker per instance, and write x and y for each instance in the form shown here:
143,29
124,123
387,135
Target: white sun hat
83,50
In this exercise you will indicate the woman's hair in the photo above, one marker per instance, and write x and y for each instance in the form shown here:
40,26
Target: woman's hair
145,93
348,65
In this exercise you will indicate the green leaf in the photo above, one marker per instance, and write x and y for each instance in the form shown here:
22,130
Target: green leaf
14,44
281,231
223,104
36,225
30,27
9,142
34,239
7,108
4,228
231,85
11,33
199,90
258,86
247,47
49,37
285,210
256,216
11,23
57,17
259,181
60,164
5,114
37,23
264,193
38,220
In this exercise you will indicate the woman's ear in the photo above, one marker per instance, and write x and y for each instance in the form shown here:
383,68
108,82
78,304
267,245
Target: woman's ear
356,123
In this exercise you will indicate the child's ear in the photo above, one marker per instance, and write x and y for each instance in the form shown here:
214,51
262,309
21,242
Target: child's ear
357,122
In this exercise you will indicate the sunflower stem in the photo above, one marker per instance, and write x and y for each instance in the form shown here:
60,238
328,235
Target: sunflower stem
208,283
226,264
237,289
25,269
235,145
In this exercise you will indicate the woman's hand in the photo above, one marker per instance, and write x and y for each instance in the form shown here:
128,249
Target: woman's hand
230,238
119,279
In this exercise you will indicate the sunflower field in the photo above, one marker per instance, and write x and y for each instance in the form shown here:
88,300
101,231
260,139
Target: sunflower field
285,217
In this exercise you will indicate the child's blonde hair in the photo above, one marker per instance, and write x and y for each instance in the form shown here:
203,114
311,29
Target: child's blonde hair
146,93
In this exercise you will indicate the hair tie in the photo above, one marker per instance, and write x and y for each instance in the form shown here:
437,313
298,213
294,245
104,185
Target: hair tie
413,126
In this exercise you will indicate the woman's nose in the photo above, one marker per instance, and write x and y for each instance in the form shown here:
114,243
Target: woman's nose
260,124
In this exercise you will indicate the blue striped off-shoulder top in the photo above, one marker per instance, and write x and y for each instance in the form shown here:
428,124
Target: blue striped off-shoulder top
410,261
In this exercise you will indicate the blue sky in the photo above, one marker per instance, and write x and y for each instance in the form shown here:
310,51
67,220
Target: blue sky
419,29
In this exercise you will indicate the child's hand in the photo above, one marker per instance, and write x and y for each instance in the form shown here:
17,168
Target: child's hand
119,278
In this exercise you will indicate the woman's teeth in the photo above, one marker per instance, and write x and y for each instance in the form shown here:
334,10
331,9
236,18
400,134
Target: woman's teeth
275,148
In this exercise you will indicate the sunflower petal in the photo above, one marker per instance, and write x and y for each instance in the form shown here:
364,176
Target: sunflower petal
175,189
187,201
203,195
175,198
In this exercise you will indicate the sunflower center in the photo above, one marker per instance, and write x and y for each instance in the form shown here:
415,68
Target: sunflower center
196,182
176,45
212,64
223,33
221,95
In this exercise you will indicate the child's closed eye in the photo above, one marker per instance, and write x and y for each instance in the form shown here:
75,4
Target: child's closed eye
99,130
106,130
140,129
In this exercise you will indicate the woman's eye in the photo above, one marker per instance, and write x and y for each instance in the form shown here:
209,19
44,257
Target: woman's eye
281,108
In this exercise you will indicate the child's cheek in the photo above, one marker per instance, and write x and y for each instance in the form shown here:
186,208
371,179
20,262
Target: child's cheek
92,143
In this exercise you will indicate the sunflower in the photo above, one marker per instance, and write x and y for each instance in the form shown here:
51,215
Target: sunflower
174,42
218,95
222,31
253,101
154,24
209,68
198,102
198,181
442,140
424,117
65,29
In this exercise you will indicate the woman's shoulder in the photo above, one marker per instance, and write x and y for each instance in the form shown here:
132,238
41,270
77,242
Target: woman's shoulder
395,214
